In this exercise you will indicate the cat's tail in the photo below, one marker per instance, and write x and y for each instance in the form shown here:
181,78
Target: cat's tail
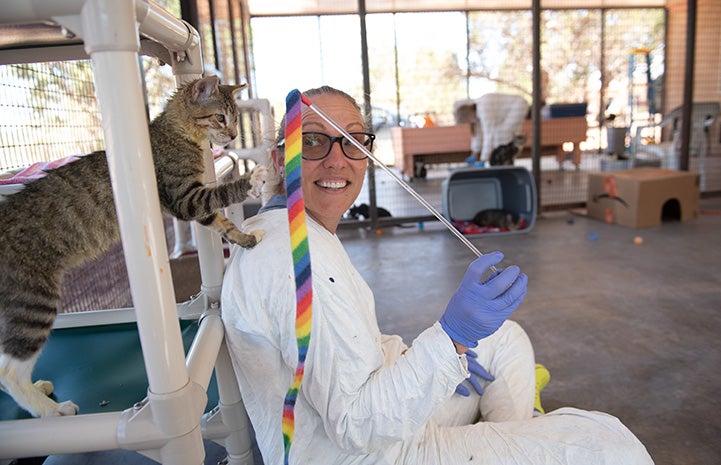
27,317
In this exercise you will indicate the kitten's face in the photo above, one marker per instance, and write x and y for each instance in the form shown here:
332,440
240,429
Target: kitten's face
215,111
223,124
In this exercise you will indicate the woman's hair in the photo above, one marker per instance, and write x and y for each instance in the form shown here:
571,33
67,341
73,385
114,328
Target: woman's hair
323,90
275,184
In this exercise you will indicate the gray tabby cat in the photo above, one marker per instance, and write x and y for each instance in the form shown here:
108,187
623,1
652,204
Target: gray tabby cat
497,218
68,216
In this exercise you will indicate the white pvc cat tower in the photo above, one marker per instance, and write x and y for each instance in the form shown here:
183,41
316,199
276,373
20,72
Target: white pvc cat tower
169,425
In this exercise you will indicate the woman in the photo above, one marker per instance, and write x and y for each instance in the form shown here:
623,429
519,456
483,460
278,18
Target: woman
366,398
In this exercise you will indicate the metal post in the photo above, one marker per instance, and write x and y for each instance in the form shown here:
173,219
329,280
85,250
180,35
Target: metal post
688,83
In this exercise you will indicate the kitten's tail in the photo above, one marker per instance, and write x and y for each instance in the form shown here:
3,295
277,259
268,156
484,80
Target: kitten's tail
27,317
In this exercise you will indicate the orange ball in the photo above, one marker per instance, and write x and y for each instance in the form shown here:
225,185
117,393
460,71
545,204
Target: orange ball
638,240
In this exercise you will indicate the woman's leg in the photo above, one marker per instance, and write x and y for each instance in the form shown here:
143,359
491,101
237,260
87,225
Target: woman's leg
565,436
508,355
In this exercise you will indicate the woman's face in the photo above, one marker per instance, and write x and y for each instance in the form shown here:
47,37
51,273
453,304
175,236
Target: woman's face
331,185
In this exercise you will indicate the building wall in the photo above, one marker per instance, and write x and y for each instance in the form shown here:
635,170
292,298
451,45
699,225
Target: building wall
707,84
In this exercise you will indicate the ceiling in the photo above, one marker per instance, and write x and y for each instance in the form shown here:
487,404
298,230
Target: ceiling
315,7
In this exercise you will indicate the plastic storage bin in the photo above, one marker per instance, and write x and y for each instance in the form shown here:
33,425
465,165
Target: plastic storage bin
470,190
567,110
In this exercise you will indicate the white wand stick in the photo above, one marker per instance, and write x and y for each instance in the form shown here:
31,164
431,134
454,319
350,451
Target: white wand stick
306,101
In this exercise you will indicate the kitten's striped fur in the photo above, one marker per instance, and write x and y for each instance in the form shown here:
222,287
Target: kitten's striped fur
68,216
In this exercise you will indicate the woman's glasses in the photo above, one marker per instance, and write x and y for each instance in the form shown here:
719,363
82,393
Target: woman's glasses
317,146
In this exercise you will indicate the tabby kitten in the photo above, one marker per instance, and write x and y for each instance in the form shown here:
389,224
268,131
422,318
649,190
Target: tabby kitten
68,216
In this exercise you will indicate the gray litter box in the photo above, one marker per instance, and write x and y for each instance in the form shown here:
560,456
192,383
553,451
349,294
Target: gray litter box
470,190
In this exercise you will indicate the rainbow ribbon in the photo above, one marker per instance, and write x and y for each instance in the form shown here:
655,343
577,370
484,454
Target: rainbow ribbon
301,257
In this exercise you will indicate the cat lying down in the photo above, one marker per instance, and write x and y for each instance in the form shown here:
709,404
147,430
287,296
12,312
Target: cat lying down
491,220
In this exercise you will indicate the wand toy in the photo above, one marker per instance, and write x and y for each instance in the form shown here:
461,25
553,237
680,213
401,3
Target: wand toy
301,257
307,102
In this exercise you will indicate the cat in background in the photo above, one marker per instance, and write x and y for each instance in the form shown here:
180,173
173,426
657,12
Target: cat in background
497,218
506,154
67,217
364,210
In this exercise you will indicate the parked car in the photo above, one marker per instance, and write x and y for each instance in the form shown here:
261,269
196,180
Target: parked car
384,118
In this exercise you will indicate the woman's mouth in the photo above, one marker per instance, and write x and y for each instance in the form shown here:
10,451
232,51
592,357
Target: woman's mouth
336,184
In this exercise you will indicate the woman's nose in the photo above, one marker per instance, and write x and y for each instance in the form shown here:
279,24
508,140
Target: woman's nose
336,154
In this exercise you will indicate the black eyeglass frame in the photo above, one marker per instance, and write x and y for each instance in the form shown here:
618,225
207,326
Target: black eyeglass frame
338,139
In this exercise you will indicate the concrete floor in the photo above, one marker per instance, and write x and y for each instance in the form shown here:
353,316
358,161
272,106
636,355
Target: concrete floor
632,330
628,329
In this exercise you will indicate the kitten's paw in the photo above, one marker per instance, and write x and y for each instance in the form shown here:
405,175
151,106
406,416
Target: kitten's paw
257,179
66,408
45,386
258,234
244,240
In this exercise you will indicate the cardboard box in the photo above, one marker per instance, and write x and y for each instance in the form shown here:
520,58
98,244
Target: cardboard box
643,197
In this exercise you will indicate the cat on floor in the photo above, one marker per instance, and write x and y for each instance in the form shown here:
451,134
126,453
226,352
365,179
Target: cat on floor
364,210
68,216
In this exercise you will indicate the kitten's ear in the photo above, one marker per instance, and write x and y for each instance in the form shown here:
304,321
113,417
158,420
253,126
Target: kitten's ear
205,88
235,91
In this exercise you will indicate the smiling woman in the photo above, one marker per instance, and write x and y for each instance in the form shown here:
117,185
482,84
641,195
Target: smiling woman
366,397
332,174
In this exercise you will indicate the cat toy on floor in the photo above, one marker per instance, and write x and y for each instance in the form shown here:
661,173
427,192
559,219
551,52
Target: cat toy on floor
301,257
307,101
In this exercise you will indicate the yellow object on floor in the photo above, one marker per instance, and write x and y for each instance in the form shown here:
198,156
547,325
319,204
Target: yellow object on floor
543,376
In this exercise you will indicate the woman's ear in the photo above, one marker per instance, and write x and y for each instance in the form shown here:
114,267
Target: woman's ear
278,160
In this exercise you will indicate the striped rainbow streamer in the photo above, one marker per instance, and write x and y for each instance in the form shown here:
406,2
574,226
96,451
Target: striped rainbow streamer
301,256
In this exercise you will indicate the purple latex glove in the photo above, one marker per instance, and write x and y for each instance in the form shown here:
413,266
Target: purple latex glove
476,369
479,308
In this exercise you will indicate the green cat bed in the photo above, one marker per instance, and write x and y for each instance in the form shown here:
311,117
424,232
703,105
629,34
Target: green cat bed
100,368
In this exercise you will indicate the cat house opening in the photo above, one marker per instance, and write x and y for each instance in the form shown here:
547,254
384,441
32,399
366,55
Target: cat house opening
671,211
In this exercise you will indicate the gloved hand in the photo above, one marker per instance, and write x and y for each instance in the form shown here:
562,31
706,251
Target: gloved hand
479,308
476,369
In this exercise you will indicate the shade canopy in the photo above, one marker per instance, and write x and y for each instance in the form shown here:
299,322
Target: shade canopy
318,7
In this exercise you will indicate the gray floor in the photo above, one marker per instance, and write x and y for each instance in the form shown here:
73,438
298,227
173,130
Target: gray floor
632,330
628,329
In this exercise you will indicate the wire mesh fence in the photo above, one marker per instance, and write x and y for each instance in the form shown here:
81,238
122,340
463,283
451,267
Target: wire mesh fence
605,73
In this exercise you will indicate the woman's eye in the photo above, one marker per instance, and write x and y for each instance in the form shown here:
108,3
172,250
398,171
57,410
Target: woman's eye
311,141
220,118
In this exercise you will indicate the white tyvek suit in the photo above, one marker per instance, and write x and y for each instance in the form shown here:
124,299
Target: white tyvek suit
364,401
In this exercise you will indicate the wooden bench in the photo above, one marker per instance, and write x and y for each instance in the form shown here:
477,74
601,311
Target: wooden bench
414,148
554,133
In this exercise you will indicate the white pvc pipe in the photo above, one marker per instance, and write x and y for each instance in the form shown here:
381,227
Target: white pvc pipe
156,23
210,245
259,153
26,11
112,45
238,442
58,435
204,350
225,164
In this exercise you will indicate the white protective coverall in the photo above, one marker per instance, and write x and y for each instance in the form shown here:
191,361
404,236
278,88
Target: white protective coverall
363,399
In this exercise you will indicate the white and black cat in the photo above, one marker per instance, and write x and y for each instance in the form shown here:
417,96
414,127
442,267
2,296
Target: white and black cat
68,216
